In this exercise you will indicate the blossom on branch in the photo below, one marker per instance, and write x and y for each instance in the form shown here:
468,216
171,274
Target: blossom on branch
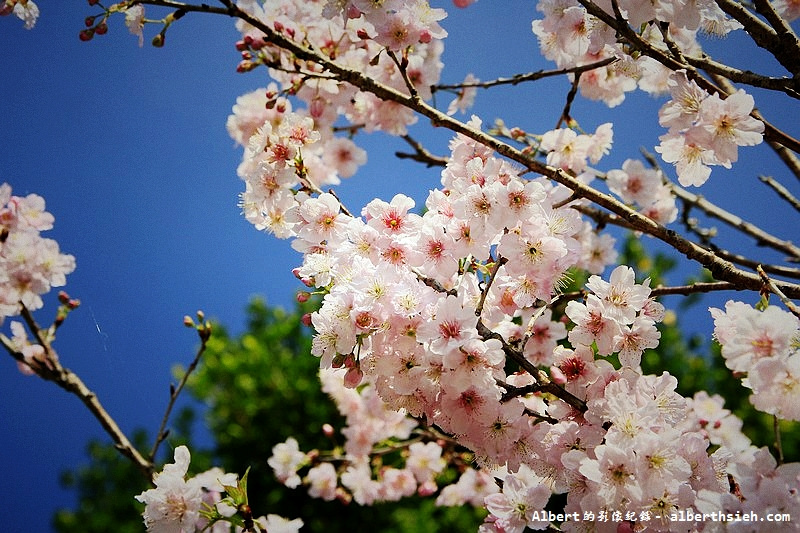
30,265
174,505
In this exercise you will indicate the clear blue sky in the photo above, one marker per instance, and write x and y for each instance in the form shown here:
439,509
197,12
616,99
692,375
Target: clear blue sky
129,149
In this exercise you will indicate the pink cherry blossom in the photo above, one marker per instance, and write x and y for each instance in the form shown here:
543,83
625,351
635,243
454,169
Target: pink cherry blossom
727,124
286,459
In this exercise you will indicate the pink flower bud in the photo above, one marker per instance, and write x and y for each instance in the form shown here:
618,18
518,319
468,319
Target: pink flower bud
306,319
427,488
245,66
317,107
353,377
327,430
303,296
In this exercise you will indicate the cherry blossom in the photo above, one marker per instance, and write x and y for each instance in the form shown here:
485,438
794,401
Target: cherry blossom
440,334
30,264
25,10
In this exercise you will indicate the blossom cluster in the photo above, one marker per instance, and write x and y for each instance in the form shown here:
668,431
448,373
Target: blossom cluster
177,504
420,313
408,302
423,312
30,265
639,447
289,150
764,348
704,130
569,35
645,188
357,34
442,336
354,475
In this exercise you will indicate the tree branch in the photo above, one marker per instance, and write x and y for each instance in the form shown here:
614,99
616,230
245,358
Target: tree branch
543,383
784,50
530,76
782,191
204,332
777,292
762,237
421,154
52,370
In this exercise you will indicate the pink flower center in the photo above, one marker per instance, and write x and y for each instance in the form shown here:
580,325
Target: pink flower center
450,330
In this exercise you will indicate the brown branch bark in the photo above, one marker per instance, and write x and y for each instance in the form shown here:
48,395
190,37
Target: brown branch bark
530,76
52,370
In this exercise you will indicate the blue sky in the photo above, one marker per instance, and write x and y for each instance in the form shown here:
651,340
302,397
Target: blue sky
129,149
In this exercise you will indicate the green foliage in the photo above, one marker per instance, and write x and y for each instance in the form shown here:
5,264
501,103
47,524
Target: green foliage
105,492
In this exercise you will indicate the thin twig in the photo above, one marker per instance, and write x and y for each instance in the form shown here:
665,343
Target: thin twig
778,270
421,154
543,382
573,91
204,332
782,191
500,261
661,290
779,293
530,76
762,237
776,425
